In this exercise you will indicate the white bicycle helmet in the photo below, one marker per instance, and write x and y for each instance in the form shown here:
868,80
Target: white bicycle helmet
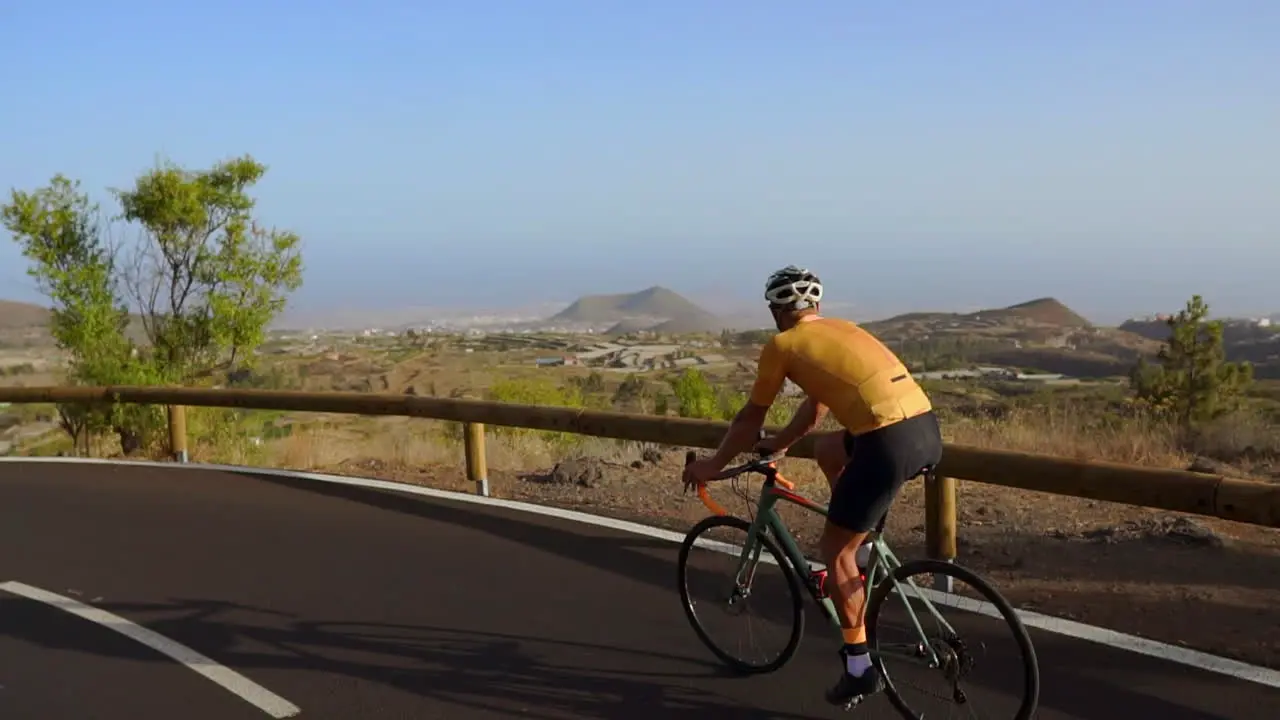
794,288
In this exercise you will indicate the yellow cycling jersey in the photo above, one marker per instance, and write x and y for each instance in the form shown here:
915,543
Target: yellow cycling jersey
844,367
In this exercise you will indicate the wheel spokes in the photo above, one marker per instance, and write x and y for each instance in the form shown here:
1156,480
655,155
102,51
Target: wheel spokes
933,647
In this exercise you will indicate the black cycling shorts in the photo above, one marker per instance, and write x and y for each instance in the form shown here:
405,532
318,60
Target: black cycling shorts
880,463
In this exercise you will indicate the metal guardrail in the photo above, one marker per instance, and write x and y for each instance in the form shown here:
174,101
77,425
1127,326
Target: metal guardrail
1245,501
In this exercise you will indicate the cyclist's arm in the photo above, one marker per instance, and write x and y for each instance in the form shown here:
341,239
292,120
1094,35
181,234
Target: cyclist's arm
743,434
805,419
744,431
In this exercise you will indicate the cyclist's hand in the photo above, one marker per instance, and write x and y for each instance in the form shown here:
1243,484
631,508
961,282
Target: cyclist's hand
698,472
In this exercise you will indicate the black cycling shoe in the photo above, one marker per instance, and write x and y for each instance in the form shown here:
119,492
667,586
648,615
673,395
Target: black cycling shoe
851,689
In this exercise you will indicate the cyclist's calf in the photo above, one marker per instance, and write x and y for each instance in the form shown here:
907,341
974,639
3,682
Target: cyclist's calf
839,549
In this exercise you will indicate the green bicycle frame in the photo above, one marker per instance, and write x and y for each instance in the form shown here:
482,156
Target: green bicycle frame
881,564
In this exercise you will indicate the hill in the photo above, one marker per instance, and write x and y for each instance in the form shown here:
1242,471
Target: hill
654,302
21,316
1042,334
655,308
691,323
631,325
1039,312
23,325
1243,341
27,325
1045,335
1042,311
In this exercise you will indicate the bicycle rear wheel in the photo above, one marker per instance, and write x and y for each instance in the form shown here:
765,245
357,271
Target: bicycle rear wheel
976,614
722,538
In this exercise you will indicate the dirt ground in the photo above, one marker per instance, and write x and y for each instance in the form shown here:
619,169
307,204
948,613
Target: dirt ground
1201,583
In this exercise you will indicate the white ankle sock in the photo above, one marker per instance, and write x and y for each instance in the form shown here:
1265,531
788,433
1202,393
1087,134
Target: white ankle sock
856,665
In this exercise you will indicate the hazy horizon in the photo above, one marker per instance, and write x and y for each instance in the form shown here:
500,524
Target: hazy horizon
1116,156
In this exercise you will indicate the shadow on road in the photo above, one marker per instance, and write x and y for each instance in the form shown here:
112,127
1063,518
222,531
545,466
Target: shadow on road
477,670
1070,681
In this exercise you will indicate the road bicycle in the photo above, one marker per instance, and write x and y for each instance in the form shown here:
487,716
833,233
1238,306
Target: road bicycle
884,575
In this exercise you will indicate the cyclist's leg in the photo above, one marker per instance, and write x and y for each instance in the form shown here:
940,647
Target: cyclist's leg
830,451
879,464
859,489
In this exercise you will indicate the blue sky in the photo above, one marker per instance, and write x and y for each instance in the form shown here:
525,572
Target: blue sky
918,155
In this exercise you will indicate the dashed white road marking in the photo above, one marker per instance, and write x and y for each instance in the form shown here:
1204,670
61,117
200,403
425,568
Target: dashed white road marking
234,682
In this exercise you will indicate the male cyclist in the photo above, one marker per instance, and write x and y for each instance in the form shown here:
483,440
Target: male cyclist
890,435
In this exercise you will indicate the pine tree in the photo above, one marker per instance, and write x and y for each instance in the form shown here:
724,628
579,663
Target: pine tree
1193,380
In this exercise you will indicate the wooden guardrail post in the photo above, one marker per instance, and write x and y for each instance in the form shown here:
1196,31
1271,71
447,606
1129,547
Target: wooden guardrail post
477,469
940,523
177,433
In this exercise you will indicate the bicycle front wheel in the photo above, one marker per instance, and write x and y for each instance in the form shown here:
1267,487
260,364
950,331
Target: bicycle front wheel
941,638
770,605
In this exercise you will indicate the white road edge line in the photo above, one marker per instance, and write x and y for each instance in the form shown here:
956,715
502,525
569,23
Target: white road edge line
237,684
1048,623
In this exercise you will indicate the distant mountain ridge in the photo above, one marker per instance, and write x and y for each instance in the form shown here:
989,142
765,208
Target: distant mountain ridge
1046,310
659,309
1043,311
655,308
655,301
33,321
20,315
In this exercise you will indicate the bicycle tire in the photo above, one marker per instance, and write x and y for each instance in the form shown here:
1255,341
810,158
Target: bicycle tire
793,586
1030,664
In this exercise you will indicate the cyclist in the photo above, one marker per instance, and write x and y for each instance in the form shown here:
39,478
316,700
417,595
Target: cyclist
890,435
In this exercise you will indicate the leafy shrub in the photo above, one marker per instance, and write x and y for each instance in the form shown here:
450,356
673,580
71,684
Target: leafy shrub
537,391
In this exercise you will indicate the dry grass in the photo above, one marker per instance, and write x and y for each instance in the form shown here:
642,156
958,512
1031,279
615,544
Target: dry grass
1074,433
405,443
1246,440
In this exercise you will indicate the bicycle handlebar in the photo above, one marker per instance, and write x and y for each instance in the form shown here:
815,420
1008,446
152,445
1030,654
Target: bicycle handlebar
765,465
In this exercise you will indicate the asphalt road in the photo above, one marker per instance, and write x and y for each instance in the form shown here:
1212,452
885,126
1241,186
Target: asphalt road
356,603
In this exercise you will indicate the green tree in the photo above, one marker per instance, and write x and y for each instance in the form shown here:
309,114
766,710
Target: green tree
60,234
1192,380
695,398
204,280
